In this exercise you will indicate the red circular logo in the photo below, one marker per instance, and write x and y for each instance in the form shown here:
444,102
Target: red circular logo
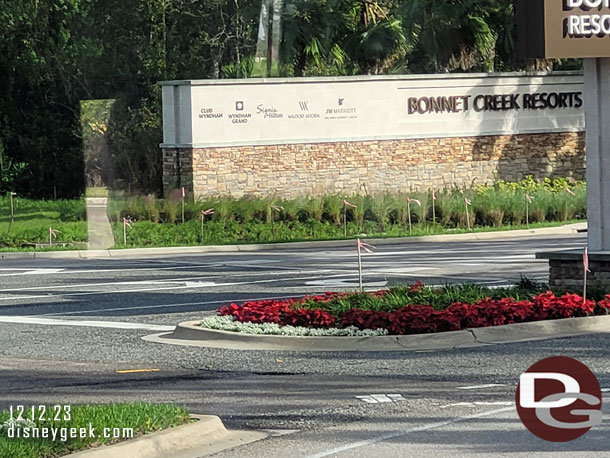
559,399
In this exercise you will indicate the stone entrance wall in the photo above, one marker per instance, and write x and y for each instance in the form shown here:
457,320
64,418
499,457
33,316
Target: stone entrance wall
291,170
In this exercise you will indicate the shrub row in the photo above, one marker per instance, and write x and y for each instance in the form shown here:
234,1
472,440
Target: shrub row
492,206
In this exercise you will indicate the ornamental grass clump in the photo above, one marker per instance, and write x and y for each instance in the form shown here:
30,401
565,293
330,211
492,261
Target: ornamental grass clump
248,219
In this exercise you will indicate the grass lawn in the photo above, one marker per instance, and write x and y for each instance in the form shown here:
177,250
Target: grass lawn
32,219
143,418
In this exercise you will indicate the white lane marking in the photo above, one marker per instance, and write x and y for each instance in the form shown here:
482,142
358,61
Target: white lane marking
184,304
381,398
29,272
89,324
393,435
479,404
46,271
398,270
435,253
113,283
166,280
344,283
14,298
186,285
476,387
280,432
254,262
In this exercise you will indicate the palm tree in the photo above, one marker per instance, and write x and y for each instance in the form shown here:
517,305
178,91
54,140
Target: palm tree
451,34
311,33
376,39
341,36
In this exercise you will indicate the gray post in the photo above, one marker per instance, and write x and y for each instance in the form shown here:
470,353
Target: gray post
597,115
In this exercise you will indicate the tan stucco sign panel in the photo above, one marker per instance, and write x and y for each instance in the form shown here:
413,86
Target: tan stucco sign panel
579,30
224,113
564,28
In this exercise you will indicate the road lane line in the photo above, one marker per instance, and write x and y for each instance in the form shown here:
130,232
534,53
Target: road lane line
479,403
406,432
187,285
136,371
190,285
476,387
186,304
165,280
88,324
14,298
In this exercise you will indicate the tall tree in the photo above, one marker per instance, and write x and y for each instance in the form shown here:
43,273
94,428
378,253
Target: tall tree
451,34
341,36
39,121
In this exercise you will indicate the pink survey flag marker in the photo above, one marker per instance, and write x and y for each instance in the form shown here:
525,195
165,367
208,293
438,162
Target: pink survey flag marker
277,208
204,213
345,205
126,224
467,202
585,259
360,245
569,191
585,263
183,192
52,235
433,206
409,200
528,200
418,202
365,246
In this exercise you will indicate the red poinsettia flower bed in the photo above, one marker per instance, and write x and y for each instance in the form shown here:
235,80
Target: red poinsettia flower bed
418,319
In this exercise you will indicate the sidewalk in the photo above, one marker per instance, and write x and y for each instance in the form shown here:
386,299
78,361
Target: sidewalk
569,229
100,231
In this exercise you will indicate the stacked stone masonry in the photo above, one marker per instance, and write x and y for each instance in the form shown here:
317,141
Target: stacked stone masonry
294,170
568,275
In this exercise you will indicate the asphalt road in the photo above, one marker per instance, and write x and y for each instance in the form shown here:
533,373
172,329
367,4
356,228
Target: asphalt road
70,328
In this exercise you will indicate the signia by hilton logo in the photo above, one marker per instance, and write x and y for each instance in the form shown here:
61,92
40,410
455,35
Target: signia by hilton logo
559,399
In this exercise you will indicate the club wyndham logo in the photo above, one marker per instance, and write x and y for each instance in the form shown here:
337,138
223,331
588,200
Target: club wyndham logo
559,399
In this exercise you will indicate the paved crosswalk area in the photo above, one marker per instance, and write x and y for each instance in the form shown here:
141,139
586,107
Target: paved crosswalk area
163,289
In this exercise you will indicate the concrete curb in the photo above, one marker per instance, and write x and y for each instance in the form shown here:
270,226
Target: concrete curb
205,436
190,334
144,252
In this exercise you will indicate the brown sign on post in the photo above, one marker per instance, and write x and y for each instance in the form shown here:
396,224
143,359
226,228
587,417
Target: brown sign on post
556,29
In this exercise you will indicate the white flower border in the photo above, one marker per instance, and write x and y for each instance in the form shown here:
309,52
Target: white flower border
228,323
16,424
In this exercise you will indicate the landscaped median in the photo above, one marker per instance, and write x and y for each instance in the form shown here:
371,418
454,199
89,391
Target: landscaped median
415,317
